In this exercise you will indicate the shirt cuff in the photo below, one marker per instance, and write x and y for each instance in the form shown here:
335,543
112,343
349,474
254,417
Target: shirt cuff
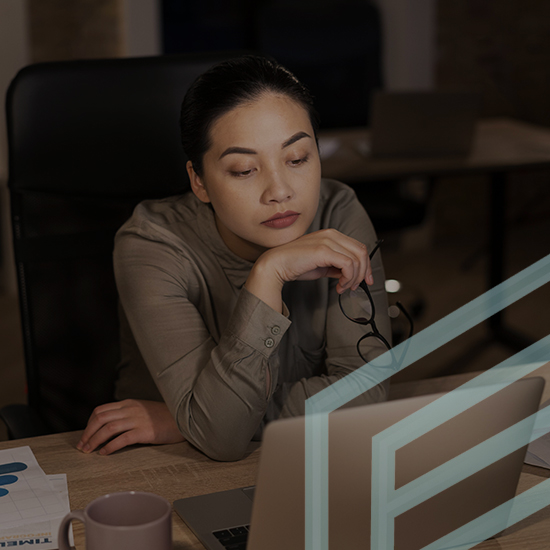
256,324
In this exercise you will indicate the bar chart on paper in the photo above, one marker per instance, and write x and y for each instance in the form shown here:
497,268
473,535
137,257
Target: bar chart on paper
32,504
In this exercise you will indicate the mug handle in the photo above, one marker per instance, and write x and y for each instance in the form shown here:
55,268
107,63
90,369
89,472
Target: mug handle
63,533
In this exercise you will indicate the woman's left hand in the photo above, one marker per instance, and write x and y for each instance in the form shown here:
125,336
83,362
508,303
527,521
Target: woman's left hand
126,423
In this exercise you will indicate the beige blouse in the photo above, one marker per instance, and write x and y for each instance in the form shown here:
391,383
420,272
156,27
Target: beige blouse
191,334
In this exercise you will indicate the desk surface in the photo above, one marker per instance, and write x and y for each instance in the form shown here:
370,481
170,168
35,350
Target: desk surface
172,471
179,470
499,145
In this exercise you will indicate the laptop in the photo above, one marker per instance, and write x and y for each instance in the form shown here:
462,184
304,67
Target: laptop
422,124
271,515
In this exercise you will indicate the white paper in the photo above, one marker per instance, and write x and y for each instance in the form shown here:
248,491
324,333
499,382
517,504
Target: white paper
538,452
32,504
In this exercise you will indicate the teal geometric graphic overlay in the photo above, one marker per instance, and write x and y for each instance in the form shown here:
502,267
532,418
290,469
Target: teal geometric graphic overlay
489,524
341,392
387,503
316,449
9,468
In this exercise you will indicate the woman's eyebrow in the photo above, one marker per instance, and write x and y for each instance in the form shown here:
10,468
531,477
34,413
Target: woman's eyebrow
244,151
297,136
241,150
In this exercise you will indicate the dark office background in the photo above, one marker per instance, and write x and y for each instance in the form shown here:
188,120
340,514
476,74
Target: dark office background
499,49
330,45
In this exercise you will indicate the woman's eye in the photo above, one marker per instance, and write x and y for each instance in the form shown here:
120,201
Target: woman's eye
241,173
300,161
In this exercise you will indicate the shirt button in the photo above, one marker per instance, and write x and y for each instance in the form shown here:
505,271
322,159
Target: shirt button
275,330
269,342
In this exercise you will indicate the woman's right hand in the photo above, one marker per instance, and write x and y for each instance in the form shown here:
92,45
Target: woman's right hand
325,253
117,425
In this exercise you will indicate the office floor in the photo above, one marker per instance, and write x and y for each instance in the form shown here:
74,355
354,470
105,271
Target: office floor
444,267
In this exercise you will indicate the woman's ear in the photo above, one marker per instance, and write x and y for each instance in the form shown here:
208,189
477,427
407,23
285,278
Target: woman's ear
197,185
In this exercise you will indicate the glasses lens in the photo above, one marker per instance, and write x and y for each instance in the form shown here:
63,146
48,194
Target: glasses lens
372,348
356,305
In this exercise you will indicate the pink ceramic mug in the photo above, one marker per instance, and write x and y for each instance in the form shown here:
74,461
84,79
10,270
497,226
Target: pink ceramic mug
123,521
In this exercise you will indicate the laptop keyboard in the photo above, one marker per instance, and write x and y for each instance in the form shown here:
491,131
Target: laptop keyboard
233,539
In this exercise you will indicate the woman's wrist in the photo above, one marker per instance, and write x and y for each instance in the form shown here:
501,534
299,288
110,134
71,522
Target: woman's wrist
264,282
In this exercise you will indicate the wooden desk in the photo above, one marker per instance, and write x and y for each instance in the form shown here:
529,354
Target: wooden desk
174,471
501,146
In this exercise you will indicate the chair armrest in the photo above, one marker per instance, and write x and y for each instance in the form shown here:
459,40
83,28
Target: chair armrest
22,421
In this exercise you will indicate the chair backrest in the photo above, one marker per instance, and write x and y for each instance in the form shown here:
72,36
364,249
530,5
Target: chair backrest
88,140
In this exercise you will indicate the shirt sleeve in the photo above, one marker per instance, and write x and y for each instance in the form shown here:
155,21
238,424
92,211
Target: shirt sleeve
217,390
348,216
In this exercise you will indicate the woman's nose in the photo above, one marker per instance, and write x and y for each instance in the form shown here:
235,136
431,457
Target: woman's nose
277,189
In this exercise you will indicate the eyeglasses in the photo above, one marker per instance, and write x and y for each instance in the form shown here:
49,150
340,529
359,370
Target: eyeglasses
358,306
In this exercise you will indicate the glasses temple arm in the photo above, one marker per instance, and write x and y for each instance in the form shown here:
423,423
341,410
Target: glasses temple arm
409,318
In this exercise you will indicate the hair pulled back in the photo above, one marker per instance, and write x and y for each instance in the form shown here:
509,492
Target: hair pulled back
225,87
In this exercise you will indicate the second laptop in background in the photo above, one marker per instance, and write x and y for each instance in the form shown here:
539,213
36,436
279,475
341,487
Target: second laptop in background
423,124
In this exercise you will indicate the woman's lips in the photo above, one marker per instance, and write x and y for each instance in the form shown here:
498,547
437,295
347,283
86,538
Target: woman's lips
282,220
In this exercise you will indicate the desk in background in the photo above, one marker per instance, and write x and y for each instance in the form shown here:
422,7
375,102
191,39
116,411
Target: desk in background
501,146
175,471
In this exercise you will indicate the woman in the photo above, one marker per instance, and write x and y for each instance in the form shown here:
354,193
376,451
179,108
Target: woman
230,293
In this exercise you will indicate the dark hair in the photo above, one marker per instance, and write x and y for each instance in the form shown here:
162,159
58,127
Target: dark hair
228,85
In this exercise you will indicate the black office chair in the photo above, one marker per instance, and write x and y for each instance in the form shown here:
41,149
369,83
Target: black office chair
88,140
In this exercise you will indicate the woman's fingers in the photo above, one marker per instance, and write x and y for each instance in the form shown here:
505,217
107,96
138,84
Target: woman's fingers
102,426
96,420
325,253
105,422
125,439
363,271
360,254
366,269
117,425
353,260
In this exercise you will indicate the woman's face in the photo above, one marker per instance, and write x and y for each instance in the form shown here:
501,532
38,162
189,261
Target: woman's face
262,175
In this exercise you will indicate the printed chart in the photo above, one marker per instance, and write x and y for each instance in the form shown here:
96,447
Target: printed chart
31,503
